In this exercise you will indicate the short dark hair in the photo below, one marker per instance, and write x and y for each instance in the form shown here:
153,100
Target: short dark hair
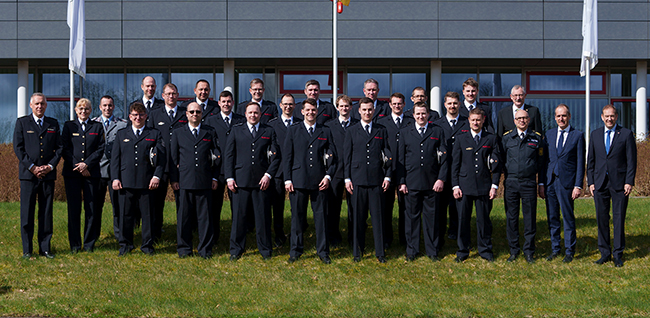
477,111
170,85
108,97
312,82
398,95
470,82
256,81
343,98
310,101
452,95
252,103
137,107
202,81
421,104
288,95
565,106
225,94
610,106
366,100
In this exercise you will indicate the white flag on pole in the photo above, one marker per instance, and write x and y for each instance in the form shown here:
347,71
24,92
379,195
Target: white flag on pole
77,24
589,35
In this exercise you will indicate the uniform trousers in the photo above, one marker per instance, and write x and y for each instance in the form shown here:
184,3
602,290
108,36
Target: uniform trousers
448,203
133,201
422,207
217,205
159,195
90,187
299,202
526,191
366,198
389,197
483,225
256,201
558,198
277,194
336,191
29,191
106,183
619,203
199,204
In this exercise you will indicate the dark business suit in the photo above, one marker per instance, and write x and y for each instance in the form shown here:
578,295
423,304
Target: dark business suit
157,103
487,125
36,146
114,125
337,186
382,109
246,162
447,198
268,110
85,146
193,168
566,170
211,108
393,138
159,119
304,167
131,164
506,119
326,111
277,191
470,172
609,173
223,131
363,165
419,168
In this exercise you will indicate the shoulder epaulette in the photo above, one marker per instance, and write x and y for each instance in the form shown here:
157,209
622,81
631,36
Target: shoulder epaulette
507,132
238,124
273,119
538,134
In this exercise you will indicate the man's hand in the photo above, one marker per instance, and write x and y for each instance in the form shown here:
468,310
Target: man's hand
349,187
324,184
493,193
288,187
628,189
117,185
80,167
592,188
175,186
438,186
264,182
403,188
540,191
232,186
576,193
153,183
215,184
458,193
385,185
85,173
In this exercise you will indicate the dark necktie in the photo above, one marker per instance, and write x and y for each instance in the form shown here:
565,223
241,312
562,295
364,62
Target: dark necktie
453,123
171,115
203,106
344,124
476,139
107,123
227,120
254,131
522,135
40,123
148,105
398,122
368,129
83,126
137,133
421,131
287,122
195,133
471,107
310,131
607,142
560,143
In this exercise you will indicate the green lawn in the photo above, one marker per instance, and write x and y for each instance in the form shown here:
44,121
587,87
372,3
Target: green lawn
101,284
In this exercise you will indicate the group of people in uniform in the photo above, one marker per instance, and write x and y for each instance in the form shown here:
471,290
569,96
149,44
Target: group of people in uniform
372,152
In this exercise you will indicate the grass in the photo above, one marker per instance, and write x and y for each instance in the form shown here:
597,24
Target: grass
102,285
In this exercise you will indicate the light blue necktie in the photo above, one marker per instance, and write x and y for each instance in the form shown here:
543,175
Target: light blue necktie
607,141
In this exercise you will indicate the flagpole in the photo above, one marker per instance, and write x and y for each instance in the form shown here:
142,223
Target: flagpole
72,95
587,100
335,64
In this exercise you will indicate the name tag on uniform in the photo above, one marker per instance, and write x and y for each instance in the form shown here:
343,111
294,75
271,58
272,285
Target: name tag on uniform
469,148
50,129
126,140
75,134
30,131
161,123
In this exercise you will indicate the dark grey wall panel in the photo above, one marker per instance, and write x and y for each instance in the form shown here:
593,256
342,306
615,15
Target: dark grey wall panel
8,49
43,48
390,11
103,10
391,49
493,49
529,30
561,30
280,30
563,11
279,49
620,11
43,30
39,11
103,30
177,49
491,11
556,49
174,10
388,30
166,31
103,48
9,30
622,30
8,11
279,10
623,49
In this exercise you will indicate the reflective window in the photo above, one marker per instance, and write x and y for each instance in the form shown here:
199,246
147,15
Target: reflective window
577,108
623,84
498,84
571,83
294,82
453,82
627,114
405,83
58,84
98,84
59,109
8,102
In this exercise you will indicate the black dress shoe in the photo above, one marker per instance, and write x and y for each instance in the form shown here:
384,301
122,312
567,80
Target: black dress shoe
206,256
280,240
292,260
552,256
434,258
266,258
410,258
603,260
381,259
326,259
357,259
123,252
89,250
452,237
618,262
184,255
460,259
489,258
27,255
530,259
75,250
512,258
234,258
568,259
47,255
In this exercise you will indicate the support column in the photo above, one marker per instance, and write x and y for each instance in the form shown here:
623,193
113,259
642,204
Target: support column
23,88
436,83
229,76
641,104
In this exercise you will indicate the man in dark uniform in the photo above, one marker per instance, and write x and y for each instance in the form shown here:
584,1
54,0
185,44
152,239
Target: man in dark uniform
338,126
307,178
393,123
37,144
475,179
452,124
366,178
525,177
507,114
193,172
371,90
421,173
202,92
138,162
269,109
165,119
83,148
611,169
222,123
326,111
470,93
277,189
149,100
249,180
111,124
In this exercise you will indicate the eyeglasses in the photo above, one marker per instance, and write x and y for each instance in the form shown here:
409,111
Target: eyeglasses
194,112
171,94
522,118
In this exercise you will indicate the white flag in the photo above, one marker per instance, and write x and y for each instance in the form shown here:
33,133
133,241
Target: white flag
77,24
589,35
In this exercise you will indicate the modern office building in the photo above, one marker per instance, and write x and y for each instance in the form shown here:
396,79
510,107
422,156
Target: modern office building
402,44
